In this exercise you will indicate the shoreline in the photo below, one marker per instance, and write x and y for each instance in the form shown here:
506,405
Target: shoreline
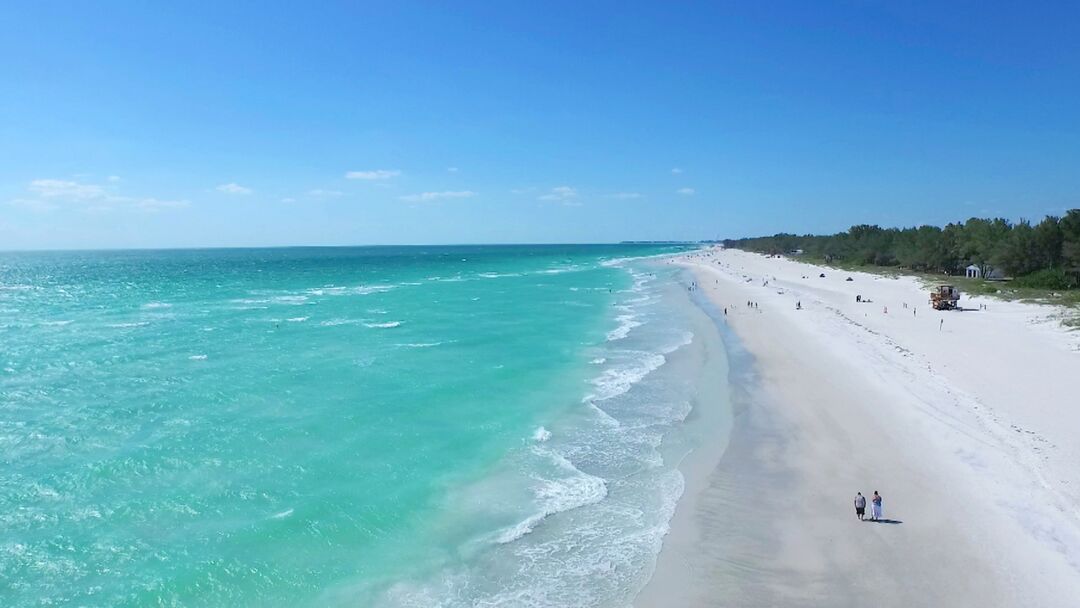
839,406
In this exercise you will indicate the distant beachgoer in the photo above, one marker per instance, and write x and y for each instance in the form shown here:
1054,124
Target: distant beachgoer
860,505
725,312
941,322
876,513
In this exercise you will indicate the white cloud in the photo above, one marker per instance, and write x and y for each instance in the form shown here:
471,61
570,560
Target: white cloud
320,193
234,188
114,178
451,169
62,189
686,191
559,193
50,193
424,197
374,174
625,195
676,170
288,200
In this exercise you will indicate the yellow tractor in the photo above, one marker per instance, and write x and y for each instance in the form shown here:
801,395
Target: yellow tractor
944,297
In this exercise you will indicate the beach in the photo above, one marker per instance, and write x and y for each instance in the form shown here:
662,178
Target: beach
963,420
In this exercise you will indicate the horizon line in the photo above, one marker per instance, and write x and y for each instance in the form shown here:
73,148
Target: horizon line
241,247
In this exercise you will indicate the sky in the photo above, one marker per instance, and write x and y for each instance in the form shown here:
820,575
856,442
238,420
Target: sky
203,124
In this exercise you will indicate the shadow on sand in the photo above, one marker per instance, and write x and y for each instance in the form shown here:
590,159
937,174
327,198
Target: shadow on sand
883,521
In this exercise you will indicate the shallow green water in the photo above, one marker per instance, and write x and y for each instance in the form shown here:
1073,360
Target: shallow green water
289,427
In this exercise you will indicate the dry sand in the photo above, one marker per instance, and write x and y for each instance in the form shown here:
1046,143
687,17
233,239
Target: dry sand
969,428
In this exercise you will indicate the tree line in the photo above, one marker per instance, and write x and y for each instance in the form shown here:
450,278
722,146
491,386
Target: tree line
1044,255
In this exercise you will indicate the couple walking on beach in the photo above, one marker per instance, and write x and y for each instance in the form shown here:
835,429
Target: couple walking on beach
875,504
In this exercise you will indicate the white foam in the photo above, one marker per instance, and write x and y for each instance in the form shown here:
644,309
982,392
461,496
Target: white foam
55,323
297,319
282,515
598,361
618,380
153,305
364,290
329,290
335,322
383,325
685,339
626,323
197,358
132,324
419,344
541,434
560,270
556,496
605,417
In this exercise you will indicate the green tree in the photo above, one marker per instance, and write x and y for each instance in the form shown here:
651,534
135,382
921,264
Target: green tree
1018,256
982,242
1045,254
1048,242
1070,243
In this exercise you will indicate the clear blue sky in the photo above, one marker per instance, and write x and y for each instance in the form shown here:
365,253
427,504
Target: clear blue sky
150,124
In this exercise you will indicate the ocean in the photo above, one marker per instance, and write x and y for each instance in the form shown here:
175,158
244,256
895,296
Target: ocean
369,426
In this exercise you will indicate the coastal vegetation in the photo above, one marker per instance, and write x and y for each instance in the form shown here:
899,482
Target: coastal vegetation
1035,258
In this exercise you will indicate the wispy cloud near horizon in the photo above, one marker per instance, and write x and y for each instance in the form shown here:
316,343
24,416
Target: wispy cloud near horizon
425,197
373,174
686,191
51,194
321,193
234,188
560,193
59,188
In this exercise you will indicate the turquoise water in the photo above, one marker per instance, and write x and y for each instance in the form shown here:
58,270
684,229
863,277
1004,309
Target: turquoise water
450,426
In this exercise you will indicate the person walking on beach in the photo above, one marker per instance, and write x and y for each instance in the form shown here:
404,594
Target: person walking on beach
941,322
876,512
860,505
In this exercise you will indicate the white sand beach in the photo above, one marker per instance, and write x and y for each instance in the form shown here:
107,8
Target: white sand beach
967,422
